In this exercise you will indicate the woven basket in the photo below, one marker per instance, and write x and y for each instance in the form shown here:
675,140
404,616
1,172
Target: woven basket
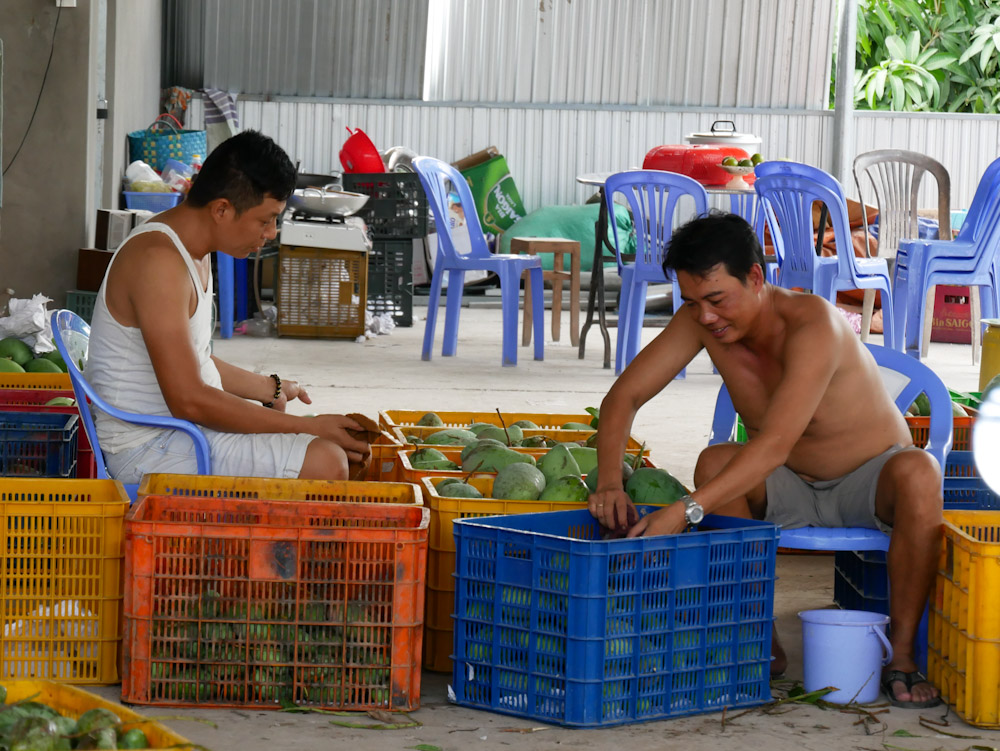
164,140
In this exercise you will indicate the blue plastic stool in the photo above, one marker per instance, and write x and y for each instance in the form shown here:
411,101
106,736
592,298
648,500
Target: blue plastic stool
232,276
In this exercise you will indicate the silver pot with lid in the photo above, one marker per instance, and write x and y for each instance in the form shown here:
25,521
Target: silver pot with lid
723,132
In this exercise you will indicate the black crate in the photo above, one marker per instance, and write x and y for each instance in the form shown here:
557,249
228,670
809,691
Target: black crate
397,204
390,280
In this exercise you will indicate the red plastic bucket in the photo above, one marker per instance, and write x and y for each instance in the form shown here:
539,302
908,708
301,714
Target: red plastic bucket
358,154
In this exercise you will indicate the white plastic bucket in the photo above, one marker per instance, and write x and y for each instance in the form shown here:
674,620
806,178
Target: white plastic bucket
845,649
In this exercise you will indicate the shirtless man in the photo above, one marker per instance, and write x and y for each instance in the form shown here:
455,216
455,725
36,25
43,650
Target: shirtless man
150,340
827,446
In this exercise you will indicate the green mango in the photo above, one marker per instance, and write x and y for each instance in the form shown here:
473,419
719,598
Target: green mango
445,481
478,427
450,437
431,420
533,441
414,439
591,479
435,464
654,485
489,458
586,457
470,447
426,455
921,406
55,357
576,426
557,462
519,482
95,719
595,416
459,490
591,440
9,366
567,488
16,350
957,410
41,365
524,424
496,432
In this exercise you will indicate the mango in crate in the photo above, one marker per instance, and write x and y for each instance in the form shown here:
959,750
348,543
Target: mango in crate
522,482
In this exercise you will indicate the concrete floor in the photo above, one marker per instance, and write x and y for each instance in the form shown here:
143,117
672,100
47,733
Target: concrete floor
387,373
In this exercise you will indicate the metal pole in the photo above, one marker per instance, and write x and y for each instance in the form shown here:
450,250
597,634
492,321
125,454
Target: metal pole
843,100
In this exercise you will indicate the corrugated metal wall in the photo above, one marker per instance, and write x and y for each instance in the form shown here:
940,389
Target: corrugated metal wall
332,48
712,53
547,148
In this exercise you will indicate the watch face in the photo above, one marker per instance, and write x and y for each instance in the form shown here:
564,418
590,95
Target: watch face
693,512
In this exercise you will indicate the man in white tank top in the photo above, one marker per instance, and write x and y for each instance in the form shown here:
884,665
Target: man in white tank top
149,345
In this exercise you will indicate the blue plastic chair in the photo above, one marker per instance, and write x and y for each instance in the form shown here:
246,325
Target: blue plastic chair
787,191
439,180
71,335
747,205
906,379
652,197
971,259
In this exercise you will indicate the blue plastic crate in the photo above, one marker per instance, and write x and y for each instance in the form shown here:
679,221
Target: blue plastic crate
37,444
555,624
155,202
964,489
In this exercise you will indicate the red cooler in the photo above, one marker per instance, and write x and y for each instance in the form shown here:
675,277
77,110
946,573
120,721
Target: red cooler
698,161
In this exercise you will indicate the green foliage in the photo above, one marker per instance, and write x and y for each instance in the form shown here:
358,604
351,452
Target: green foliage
928,55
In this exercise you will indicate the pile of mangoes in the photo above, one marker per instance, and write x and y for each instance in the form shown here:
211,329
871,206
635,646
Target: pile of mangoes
17,357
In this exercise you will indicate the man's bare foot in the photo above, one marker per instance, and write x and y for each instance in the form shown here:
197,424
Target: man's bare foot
779,661
906,687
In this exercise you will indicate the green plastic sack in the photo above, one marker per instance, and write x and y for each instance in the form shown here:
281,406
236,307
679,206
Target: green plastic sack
573,223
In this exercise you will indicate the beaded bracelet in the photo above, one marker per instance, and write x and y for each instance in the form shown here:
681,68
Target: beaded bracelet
277,390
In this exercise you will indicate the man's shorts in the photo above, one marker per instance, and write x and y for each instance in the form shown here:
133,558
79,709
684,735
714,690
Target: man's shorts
847,501
236,454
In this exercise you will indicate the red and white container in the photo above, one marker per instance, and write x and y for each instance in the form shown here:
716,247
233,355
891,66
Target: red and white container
698,161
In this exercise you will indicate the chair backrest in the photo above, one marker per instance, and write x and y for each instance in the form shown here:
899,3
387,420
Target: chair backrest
787,191
71,335
982,222
652,196
894,177
443,184
904,377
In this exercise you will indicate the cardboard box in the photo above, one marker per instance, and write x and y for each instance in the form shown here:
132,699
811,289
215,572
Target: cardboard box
91,265
952,320
113,227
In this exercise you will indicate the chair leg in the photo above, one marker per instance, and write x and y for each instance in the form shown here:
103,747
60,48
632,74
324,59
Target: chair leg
927,322
537,285
975,322
574,298
678,303
224,265
456,284
433,301
637,311
888,325
526,325
510,296
867,311
623,320
900,309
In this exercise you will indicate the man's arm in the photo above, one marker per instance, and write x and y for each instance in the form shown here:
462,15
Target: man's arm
161,297
652,369
258,387
812,357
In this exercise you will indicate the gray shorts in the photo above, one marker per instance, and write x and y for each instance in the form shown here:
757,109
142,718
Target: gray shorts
847,501
233,454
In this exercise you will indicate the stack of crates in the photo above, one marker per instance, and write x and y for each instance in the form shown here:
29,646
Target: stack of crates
255,593
861,578
557,625
62,595
964,654
396,215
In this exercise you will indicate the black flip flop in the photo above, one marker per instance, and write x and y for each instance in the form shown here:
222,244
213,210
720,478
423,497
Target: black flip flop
909,679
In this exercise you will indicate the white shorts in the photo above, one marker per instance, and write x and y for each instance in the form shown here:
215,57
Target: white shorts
233,454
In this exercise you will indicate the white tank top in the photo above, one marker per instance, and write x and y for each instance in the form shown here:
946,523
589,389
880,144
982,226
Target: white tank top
118,365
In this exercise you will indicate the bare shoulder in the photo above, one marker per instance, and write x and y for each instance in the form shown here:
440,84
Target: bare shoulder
810,315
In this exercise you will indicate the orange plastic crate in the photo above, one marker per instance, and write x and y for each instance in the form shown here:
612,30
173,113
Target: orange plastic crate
256,603
390,418
33,400
384,458
961,439
403,433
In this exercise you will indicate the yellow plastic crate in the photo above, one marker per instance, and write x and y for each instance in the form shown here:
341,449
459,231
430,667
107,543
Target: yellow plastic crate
62,554
391,418
57,381
438,645
73,702
402,433
260,488
964,625
384,458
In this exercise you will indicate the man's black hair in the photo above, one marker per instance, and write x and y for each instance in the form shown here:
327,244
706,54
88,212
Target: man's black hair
244,169
717,237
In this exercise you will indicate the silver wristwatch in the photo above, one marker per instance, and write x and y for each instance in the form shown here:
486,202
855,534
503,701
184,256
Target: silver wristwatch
693,512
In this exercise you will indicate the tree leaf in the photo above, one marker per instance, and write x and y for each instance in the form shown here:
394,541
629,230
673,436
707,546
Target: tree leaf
902,733
913,45
425,747
898,93
884,17
895,47
880,82
984,56
937,60
974,49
